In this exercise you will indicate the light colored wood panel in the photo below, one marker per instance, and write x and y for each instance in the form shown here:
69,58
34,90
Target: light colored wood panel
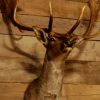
8,89
19,70
61,8
15,91
19,97
28,46
80,90
65,25
79,0
92,97
88,51
82,72
22,70
12,91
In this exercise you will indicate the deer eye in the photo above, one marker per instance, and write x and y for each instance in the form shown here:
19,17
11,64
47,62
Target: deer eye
67,44
70,42
63,45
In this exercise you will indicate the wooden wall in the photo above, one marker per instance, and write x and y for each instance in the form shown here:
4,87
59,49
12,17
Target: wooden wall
82,68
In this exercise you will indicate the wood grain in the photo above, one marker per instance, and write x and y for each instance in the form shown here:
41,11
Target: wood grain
22,70
12,91
18,70
92,97
65,25
82,73
80,90
88,51
82,68
81,0
15,91
61,8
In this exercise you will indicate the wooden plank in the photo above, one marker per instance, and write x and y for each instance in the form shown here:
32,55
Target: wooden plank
82,73
8,89
88,51
28,46
22,70
92,97
11,97
80,90
65,25
19,70
81,0
19,98
61,8
15,91
12,91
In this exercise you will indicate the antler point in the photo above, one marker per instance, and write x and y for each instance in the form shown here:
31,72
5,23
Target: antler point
50,7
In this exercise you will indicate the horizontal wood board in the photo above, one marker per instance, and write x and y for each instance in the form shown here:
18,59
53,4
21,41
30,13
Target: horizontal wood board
15,91
61,8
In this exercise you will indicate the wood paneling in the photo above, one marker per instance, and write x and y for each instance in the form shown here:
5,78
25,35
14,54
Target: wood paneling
12,91
82,68
61,8
15,91
65,25
82,90
18,70
92,97
22,70
28,45
88,51
82,72
81,0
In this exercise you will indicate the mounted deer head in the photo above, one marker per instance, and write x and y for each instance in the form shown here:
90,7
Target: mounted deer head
58,46
47,35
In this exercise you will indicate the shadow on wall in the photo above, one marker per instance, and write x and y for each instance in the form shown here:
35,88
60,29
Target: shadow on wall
30,68
35,67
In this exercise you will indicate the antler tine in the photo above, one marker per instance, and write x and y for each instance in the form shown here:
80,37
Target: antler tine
77,23
6,2
50,25
11,11
15,21
94,11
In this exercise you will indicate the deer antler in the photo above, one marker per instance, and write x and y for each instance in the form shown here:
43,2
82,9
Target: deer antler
44,32
50,19
11,7
94,9
77,23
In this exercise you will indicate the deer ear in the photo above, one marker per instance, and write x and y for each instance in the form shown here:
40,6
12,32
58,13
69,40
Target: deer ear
41,36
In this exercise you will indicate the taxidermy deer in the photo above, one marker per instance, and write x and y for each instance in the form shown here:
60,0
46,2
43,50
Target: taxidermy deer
58,46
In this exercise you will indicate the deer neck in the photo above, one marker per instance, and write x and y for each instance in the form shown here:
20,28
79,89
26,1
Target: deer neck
52,76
